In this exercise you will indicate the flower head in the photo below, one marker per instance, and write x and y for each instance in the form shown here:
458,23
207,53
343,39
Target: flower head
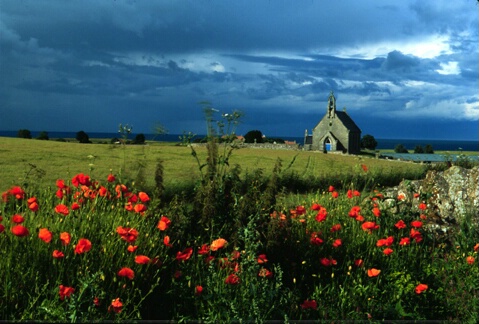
116,306
164,223
126,272
83,246
373,272
218,244
45,235
420,288
65,291
19,230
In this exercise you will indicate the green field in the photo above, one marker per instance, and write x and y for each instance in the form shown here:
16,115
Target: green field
47,161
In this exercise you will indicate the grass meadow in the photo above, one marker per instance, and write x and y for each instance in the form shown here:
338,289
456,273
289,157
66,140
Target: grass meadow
100,232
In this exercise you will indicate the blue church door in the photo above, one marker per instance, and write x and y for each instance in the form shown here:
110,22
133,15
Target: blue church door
327,144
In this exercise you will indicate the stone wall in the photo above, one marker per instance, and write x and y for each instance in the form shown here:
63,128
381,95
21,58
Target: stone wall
451,196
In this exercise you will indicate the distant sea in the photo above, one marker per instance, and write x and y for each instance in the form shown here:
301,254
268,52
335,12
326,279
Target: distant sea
383,143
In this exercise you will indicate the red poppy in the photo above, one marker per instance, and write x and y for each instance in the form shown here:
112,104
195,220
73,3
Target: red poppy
164,223
470,260
166,241
358,262
265,273
96,301
81,179
198,290
61,209
335,194
45,235
337,243
388,251
369,226
373,272
142,259
331,189
19,230
65,237
335,228
140,208
420,288
300,210
18,219
58,254
416,235
65,291
121,189
132,248
111,178
185,254
401,197
232,279
315,206
400,224
218,244
356,193
129,206
476,247
354,212
126,272
17,192
416,224
422,206
262,259
116,306
405,241
376,212
75,206
127,234
143,196
2,228
204,249
321,216
33,204
315,239
350,194
309,304
83,246
327,262
365,167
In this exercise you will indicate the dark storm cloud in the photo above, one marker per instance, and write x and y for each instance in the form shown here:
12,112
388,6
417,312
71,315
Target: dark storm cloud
116,61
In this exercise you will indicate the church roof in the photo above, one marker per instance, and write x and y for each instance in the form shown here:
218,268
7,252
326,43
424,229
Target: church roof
347,121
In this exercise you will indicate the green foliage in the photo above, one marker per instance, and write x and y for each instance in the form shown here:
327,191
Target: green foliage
418,149
253,136
82,137
43,136
400,149
368,142
24,133
428,149
139,139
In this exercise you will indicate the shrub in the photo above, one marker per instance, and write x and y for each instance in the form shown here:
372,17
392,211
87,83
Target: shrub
24,133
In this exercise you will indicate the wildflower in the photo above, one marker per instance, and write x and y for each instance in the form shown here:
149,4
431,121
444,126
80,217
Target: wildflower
111,178
185,254
335,194
2,228
416,195
337,243
75,206
373,272
19,230
422,206
300,210
262,259
96,301
476,247
470,260
416,224
388,251
387,241
315,239
321,216
376,212
127,234
61,209
335,228
33,204
331,189
401,196
218,244
354,212
65,237
405,241
358,262
350,194
132,248
369,226
236,255
164,223
65,291
45,235
18,219
83,245
416,235
166,241
198,290
364,167
265,273
316,206
17,192
232,279
400,224
420,288
327,262
81,179
143,197
126,272
142,259
205,248
140,208
116,306
309,304
58,254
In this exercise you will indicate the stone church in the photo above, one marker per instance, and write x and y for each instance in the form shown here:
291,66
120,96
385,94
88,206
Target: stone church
336,132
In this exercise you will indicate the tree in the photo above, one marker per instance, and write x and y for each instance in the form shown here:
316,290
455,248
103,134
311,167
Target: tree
253,135
369,142
43,136
24,133
428,149
83,137
418,149
400,149
140,139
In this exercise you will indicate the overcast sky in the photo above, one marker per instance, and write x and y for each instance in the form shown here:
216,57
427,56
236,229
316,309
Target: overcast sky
402,69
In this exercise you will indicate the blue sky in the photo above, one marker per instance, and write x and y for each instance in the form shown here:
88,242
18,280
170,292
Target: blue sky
402,69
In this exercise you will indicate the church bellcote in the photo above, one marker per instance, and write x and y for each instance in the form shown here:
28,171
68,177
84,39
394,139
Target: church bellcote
331,105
